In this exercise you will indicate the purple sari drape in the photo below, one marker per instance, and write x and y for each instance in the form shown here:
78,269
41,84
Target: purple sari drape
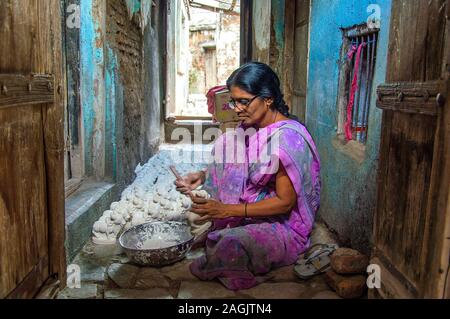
239,251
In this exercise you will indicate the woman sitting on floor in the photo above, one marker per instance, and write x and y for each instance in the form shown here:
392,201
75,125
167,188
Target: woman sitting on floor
263,210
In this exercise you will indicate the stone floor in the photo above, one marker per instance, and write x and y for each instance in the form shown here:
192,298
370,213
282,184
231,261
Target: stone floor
107,274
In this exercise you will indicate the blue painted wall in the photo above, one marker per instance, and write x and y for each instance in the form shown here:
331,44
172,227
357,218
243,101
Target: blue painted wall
134,5
113,108
100,71
87,71
278,28
103,103
349,186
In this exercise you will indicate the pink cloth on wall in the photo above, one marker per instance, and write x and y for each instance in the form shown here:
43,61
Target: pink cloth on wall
354,88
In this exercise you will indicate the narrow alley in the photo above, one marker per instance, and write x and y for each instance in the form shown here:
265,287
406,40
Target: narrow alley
224,149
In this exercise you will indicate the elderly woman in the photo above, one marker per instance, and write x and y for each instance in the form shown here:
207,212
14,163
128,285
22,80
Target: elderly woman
262,211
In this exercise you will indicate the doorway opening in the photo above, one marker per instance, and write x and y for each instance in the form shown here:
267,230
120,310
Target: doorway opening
203,49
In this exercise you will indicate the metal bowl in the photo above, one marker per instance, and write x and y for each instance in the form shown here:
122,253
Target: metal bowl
157,243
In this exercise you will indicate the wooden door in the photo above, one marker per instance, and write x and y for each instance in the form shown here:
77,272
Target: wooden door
296,55
246,40
411,225
31,146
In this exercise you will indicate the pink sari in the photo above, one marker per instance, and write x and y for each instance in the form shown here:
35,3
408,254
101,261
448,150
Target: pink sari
240,251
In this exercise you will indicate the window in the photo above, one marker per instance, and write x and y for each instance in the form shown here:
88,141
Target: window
356,79
203,49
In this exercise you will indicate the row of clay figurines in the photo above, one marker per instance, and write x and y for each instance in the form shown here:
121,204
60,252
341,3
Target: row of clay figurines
140,205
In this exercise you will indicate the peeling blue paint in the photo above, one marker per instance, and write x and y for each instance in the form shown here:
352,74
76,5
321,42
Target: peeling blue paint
278,26
278,13
87,45
92,86
103,102
349,188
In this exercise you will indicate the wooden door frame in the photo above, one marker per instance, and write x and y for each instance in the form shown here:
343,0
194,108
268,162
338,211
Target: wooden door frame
246,39
288,76
437,283
289,51
55,149
246,51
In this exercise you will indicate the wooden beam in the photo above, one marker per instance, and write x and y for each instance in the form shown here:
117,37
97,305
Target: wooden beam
289,52
17,89
410,97
216,6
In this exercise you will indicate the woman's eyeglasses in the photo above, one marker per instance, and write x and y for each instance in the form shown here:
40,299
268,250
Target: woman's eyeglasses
244,102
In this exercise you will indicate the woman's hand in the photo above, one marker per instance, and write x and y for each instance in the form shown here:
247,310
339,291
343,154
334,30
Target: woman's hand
190,182
209,209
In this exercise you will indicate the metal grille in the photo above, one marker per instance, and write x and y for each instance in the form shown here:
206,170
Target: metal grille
361,107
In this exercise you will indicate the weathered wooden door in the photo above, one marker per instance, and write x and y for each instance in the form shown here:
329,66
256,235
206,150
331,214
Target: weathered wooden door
31,146
296,55
411,225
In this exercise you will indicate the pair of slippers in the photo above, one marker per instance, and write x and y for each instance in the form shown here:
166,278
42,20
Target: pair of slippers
315,261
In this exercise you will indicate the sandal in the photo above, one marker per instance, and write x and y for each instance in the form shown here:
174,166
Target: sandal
315,261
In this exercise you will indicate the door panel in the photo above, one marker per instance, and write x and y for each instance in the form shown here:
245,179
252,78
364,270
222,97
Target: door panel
31,146
23,221
407,155
408,225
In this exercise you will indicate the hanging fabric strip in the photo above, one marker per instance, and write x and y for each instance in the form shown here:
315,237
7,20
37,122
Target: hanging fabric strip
354,88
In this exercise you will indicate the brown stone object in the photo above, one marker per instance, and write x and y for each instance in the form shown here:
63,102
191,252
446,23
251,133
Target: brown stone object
347,261
347,287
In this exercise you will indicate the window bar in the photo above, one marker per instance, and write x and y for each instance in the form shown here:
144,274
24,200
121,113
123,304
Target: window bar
365,115
366,93
352,66
358,96
369,91
356,43
371,74
360,105
356,39
374,59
